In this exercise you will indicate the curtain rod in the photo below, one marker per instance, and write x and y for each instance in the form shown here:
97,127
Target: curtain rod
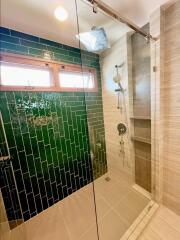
111,12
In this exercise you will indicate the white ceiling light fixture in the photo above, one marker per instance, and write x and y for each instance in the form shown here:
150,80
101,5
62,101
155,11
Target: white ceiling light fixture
61,14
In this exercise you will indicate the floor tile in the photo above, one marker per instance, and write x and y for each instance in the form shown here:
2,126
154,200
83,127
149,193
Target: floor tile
111,227
126,213
91,234
112,192
135,201
101,207
48,225
74,218
170,217
78,212
165,231
165,225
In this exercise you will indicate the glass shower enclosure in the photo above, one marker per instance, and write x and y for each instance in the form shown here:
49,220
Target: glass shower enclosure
119,119
89,177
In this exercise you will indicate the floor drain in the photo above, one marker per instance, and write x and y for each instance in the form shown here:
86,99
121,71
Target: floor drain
107,179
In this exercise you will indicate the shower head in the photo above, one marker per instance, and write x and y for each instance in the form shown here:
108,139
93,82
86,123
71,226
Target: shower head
95,40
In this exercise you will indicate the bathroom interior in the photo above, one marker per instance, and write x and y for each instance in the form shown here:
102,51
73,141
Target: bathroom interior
89,120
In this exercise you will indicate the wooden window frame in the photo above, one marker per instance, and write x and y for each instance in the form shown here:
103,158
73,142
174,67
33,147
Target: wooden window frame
54,67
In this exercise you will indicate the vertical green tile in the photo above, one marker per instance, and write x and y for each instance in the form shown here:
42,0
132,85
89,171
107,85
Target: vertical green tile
47,132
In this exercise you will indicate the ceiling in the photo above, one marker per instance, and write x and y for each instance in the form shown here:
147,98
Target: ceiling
37,17
137,11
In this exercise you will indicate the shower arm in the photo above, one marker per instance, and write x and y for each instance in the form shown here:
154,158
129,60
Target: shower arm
111,12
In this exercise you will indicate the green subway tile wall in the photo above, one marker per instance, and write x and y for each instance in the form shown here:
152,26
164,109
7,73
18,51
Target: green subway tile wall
50,134
3,147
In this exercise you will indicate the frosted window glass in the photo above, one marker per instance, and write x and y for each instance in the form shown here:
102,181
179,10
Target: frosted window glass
76,80
22,75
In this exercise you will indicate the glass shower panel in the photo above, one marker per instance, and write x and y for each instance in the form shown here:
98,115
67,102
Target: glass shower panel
119,119
47,132
10,206
9,194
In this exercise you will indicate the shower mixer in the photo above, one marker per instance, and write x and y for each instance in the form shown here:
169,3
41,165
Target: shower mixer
121,127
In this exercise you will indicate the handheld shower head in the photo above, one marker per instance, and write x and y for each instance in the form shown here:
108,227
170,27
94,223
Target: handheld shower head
118,79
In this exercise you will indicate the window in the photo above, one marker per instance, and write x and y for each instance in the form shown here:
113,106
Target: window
76,80
21,73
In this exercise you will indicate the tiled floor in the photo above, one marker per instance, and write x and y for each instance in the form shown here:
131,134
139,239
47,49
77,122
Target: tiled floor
165,225
117,205
122,205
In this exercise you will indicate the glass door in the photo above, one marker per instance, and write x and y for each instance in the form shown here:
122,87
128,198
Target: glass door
119,119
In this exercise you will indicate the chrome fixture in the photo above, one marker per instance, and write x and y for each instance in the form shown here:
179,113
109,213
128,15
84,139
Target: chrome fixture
95,7
122,129
117,79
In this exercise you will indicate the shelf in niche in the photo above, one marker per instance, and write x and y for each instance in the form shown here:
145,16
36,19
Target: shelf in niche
140,139
142,158
141,117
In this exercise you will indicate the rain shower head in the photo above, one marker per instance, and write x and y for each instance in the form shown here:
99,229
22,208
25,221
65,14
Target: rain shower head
95,40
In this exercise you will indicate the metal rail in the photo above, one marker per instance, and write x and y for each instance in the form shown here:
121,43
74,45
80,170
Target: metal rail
111,12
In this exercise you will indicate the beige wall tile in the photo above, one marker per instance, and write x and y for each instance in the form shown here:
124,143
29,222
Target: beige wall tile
166,105
117,55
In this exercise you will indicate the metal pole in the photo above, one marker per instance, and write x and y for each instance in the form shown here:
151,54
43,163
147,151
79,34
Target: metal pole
111,12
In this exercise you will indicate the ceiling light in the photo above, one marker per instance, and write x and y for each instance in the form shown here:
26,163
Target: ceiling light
61,14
